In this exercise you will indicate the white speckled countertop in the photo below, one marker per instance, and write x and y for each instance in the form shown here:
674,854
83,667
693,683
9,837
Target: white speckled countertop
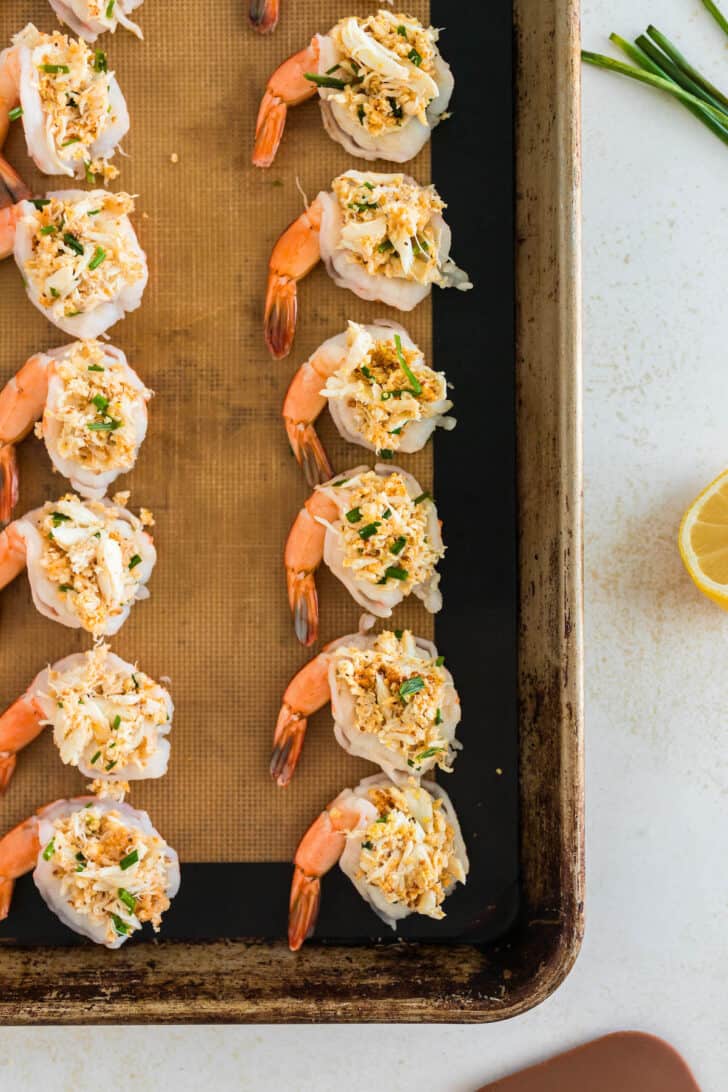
656,383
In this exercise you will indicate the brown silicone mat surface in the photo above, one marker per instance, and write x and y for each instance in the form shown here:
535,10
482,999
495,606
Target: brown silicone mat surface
215,468
628,1061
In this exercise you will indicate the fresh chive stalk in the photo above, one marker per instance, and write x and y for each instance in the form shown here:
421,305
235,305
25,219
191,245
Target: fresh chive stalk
717,14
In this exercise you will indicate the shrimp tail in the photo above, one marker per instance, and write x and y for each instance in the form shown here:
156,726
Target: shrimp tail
8,482
281,312
13,183
310,453
7,886
303,907
287,745
303,598
269,129
263,15
7,769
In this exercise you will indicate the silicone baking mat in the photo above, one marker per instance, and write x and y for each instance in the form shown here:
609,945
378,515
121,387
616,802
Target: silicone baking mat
216,470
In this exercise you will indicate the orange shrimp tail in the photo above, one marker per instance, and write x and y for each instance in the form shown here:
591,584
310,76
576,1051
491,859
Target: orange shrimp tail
7,769
6,897
269,129
8,482
281,312
263,15
13,182
287,745
309,452
303,908
303,598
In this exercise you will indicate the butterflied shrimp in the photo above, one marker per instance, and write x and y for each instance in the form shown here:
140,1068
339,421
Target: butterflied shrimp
392,699
68,101
79,256
90,18
381,394
108,718
88,562
378,532
400,845
383,85
99,865
94,416
382,236
264,15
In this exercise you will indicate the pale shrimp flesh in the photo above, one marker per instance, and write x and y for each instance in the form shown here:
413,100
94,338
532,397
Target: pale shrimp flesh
401,847
382,236
99,865
393,702
379,533
68,102
90,18
88,562
380,392
93,411
382,82
108,718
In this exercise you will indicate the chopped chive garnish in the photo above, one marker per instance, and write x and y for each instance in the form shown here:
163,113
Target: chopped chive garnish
96,368
99,255
354,515
332,69
59,517
72,242
412,378
422,497
55,293
415,57
438,717
101,64
16,113
366,372
127,898
428,753
100,402
401,29
361,114
340,482
110,766
386,453
65,587
325,81
394,106
94,212
369,530
411,686
104,426
40,202
439,661
367,845
136,560
116,722
394,572
49,850
54,69
49,229
110,8
135,681
80,857
95,758
90,176
385,246
363,206
73,140
129,860
397,431
368,186
121,927
382,818
399,633
386,395
398,545
386,513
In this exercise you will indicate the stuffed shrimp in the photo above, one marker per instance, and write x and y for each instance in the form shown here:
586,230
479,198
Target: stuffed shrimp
382,82
69,103
380,392
79,257
88,562
382,236
99,865
393,702
400,846
108,718
88,406
378,532
90,18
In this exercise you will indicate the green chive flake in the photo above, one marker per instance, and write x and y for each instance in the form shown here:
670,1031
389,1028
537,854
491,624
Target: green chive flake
129,860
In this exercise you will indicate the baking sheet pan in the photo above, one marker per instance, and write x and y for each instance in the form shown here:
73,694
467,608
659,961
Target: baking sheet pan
216,473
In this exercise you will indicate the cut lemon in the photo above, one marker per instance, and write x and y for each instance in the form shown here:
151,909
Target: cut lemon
703,540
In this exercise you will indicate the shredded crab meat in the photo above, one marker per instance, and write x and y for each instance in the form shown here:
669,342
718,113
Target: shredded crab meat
387,225
95,409
384,532
83,254
373,379
388,65
105,714
408,852
73,83
398,696
90,854
91,554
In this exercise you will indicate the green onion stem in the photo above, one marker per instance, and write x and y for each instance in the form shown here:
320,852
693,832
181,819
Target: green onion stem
682,62
717,14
